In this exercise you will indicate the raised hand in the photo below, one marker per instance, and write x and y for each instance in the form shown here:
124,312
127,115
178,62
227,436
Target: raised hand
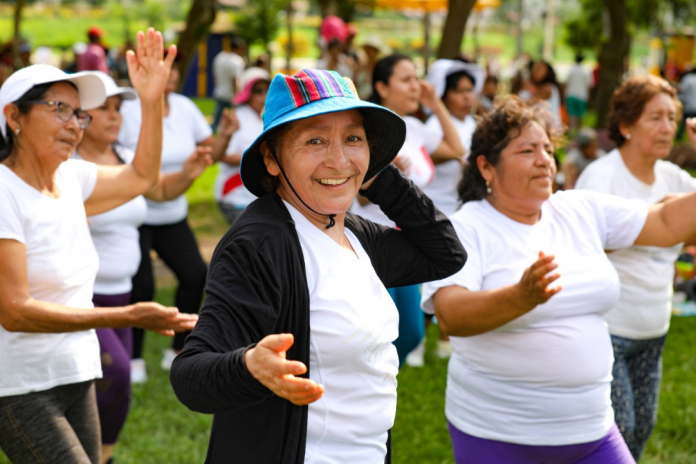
534,285
199,160
229,124
428,97
266,363
404,164
160,319
147,68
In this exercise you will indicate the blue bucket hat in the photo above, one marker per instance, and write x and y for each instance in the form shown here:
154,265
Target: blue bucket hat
312,92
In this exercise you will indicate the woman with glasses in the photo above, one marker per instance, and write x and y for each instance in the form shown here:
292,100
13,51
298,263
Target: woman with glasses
115,236
166,228
50,354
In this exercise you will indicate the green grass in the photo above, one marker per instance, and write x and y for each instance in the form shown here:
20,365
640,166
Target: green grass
160,429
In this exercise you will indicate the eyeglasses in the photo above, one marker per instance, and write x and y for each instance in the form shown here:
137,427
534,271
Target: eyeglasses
65,112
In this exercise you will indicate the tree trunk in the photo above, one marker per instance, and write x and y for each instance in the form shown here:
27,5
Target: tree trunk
16,58
611,59
453,32
200,17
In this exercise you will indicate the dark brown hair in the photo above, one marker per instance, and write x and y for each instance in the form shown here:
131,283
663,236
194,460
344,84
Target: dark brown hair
493,133
629,100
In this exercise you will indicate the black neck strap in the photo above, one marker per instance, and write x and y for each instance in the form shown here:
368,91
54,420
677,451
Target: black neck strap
332,217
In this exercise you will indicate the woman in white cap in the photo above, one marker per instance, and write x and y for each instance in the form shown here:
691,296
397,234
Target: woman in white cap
230,193
50,355
166,228
115,236
396,87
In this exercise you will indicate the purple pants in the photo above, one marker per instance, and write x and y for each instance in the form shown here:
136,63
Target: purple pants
114,389
472,450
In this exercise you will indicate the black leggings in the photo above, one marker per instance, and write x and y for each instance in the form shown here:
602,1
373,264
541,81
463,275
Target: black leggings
177,247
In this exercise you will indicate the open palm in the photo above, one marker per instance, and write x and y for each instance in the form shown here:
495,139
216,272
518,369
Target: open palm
147,68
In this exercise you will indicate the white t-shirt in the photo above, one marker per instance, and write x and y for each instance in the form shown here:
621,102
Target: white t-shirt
228,183
227,67
443,189
353,324
116,238
646,273
420,142
543,378
184,129
61,266
578,83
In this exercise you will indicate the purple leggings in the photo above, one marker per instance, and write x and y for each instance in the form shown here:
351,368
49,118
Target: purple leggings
471,450
114,389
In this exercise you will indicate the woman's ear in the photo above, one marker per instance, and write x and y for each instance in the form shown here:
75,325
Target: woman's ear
11,113
382,89
485,168
269,160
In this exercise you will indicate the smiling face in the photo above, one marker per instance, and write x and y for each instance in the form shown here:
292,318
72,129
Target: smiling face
43,134
653,132
106,121
402,93
325,158
522,181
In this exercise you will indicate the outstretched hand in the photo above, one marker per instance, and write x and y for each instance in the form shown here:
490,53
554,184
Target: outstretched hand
147,68
428,97
534,285
266,363
229,124
196,164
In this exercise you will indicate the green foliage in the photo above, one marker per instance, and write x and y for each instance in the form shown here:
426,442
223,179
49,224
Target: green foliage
585,31
258,23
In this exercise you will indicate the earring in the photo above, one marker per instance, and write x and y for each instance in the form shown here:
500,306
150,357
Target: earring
488,186
17,131
628,137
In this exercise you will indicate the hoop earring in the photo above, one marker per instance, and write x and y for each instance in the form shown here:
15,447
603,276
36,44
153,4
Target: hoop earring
488,187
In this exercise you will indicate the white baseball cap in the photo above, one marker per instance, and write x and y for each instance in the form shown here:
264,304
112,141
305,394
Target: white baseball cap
112,89
441,69
89,86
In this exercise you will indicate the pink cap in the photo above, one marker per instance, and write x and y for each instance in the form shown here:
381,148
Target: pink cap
251,76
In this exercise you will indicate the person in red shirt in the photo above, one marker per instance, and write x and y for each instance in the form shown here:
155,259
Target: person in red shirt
94,58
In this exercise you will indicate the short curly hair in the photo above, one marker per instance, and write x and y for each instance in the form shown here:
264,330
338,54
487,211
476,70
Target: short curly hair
493,133
629,100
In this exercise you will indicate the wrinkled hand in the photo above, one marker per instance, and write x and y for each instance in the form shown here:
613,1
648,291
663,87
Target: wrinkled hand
229,124
147,68
266,363
196,164
691,131
165,321
534,285
404,164
429,98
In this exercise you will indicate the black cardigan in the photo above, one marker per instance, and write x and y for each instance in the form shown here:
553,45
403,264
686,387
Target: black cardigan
257,286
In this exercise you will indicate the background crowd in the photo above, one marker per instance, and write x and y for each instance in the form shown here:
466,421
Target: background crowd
442,108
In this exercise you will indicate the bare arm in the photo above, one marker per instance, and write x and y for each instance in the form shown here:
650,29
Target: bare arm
463,313
117,185
171,186
219,143
451,146
669,223
19,312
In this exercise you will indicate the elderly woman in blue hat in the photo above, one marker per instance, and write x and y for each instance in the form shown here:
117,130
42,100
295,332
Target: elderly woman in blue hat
293,350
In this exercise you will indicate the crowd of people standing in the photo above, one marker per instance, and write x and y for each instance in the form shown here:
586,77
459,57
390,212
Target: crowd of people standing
364,202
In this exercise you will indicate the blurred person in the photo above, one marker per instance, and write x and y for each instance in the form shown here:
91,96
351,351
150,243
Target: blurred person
228,67
349,44
372,48
263,61
50,354
166,229
397,88
547,90
94,56
229,191
585,151
115,238
293,353
687,95
530,377
336,60
486,100
643,120
577,93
